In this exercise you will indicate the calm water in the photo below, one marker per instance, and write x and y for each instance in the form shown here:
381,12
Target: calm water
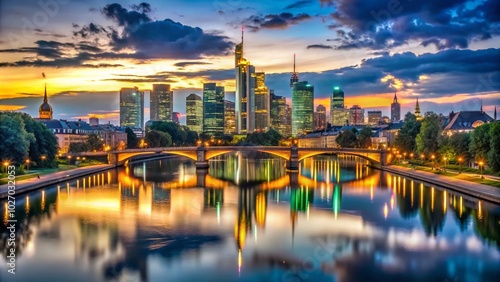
248,220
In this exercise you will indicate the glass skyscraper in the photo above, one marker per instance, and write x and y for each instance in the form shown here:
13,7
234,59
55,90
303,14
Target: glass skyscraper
229,118
131,107
279,114
161,102
337,102
194,113
245,92
302,108
262,115
213,109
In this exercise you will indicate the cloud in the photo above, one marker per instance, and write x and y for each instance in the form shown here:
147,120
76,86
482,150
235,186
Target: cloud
444,24
187,64
176,76
299,4
319,46
274,21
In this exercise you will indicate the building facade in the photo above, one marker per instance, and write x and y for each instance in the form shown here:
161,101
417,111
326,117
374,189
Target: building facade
213,109
302,108
229,117
395,110
374,117
262,103
340,116
131,107
194,113
161,102
279,114
320,118
244,92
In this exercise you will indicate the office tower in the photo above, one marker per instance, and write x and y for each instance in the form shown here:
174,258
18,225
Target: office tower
176,117
295,76
374,117
320,117
194,113
302,108
356,115
45,110
418,116
161,103
262,101
395,109
340,116
245,92
336,102
229,118
131,107
279,114
213,109
288,126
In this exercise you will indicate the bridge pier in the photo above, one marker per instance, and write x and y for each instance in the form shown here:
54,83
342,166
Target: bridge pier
293,163
201,160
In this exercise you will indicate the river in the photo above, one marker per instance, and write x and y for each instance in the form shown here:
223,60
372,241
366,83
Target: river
247,219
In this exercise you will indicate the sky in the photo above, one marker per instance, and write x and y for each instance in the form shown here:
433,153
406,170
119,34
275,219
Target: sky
446,53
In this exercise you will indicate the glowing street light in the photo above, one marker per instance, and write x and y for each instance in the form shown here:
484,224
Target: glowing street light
460,159
69,159
43,160
481,163
433,157
444,160
6,164
28,165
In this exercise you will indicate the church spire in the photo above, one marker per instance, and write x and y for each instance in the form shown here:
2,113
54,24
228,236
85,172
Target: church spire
418,116
395,98
481,106
45,99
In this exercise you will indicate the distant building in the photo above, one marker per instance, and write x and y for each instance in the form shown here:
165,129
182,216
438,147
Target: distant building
229,117
112,137
391,131
245,92
356,115
68,132
279,115
395,109
262,101
302,108
93,121
465,121
213,108
176,117
131,107
386,119
418,116
161,102
374,117
319,139
45,110
320,118
339,116
194,113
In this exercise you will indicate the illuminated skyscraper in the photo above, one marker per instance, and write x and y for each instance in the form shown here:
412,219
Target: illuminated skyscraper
337,102
161,102
302,108
395,109
320,117
213,108
262,101
131,107
245,92
339,116
356,115
229,118
194,113
374,117
279,114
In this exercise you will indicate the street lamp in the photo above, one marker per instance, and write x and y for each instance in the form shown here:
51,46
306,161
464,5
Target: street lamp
27,165
481,168
43,159
69,160
444,160
6,164
433,157
459,165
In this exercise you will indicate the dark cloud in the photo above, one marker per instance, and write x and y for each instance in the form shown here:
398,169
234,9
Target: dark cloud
299,4
187,64
274,21
319,46
387,24
176,76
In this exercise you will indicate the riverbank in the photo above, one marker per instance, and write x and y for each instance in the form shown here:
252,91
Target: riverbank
27,185
477,190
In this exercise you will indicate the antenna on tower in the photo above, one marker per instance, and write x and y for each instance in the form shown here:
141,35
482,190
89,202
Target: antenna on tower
293,62
295,77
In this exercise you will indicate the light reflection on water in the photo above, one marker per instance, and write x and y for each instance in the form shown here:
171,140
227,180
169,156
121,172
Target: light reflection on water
247,219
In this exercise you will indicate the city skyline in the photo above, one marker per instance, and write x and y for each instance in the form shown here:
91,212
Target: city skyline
446,73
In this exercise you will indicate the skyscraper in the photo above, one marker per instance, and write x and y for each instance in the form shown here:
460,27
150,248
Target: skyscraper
262,101
418,115
194,113
337,102
356,115
320,117
161,103
395,109
131,107
295,76
229,118
279,121
302,108
374,117
245,92
213,109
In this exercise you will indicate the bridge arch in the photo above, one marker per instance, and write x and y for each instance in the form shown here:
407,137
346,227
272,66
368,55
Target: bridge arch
369,157
214,153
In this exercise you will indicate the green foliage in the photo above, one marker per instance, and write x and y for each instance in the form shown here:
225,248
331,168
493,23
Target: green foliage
427,138
494,152
156,139
181,135
480,142
132,140
460,144
365,138
44,143
405,140
79,147
94,142
268,138
347,139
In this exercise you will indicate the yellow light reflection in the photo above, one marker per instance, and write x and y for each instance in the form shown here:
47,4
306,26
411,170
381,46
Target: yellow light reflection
386,210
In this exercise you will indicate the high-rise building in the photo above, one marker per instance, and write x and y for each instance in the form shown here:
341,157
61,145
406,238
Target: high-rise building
45,110
374,117
213,108
339,116
176,117
245,92
161,102
278,115
302,108
320,117
336,102
262,101
229,117
418,115
288,128
194,113
131,107
356,115
395,109
295,76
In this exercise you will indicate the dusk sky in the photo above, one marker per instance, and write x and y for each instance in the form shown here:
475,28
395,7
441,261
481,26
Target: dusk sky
444,52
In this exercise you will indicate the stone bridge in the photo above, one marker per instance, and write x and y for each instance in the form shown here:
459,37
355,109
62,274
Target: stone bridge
293,155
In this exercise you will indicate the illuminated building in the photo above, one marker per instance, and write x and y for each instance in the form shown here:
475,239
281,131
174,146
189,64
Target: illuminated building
466,121
280,111
302,108
262,111
131,107
45,110
356,115
320,117
374,117
229,117
395,109
418,116
339,116
245,92
194,113
161,102
213,108
337,102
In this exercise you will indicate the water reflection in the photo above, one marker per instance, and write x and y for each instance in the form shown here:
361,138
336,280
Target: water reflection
247,219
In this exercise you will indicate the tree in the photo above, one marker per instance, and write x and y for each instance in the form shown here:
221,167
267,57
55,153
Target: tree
480,142
132,139
405,140
15,139
156,139
427,138
79,147
44,143
494,152
460,143
94,142
365,138
268,138
347,139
